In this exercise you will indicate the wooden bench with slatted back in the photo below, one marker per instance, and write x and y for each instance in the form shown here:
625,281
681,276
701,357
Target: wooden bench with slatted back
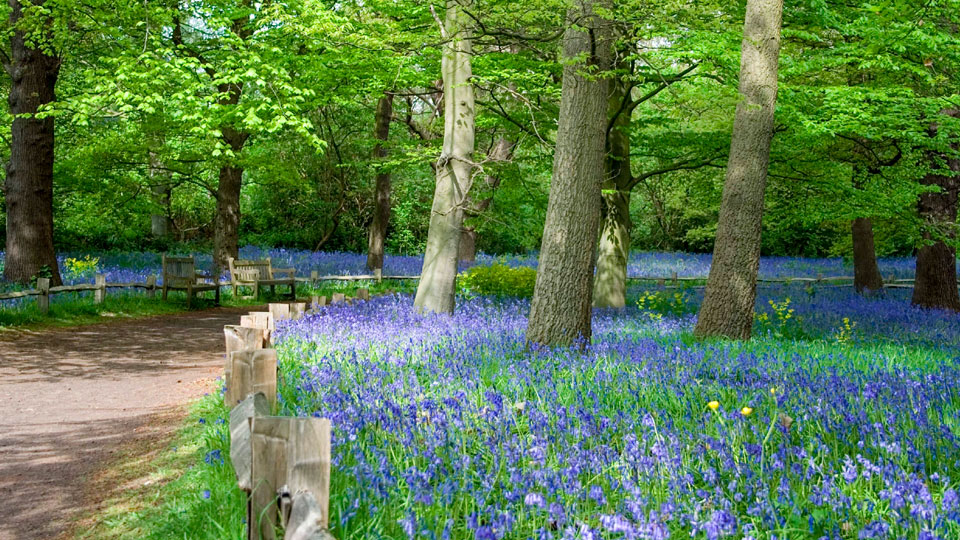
255,273
180,274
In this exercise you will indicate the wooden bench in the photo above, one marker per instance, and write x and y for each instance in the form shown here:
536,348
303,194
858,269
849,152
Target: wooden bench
258,273
180,274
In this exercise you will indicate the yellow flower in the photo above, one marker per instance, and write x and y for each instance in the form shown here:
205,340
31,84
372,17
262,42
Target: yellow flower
746,411
773,391
714,405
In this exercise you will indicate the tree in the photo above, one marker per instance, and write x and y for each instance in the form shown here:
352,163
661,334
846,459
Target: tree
33,68
454,168
562,299
728,304
936,275
381,211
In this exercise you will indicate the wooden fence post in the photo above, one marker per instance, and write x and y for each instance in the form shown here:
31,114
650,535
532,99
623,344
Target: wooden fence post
290,456
378,274
337,298
318,301
363,294
244,337
676,279
249,371
100,293
151,286
314,276
43,299
240,419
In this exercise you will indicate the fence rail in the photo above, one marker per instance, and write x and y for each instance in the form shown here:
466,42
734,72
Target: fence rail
43,289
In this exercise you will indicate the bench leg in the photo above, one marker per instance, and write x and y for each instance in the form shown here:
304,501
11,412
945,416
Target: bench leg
273,290
216,296
293,291
189,297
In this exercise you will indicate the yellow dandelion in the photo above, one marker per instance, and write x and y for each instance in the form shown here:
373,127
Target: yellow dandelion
714,405
746,411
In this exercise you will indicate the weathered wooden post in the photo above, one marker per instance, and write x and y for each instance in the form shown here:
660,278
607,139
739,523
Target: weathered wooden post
378,274
363,294
290,457
151,286
244,337
43,299
240,420
675,279
280,312
100,293
337,298
314,276
318,301
249,371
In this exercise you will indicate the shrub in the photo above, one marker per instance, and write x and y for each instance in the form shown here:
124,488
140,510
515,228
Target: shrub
498,280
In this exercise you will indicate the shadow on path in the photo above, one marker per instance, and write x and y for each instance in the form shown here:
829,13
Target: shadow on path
70,397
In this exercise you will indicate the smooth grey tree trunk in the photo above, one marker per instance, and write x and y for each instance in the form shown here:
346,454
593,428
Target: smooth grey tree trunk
561,307
437,287
866,272
381,212
613,251
29,183
728,305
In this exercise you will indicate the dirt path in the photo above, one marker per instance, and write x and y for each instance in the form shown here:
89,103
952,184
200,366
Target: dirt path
69,398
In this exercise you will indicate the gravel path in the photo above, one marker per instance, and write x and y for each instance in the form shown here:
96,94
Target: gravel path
70,397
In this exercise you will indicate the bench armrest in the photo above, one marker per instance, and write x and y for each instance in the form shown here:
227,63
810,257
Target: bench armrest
286,272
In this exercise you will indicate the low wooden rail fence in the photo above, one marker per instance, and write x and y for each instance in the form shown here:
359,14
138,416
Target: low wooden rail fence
281,462
43,290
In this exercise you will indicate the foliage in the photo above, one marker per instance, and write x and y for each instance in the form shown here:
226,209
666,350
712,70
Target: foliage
498,280
656,305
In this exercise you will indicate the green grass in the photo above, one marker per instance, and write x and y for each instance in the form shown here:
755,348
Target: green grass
74,309
189,496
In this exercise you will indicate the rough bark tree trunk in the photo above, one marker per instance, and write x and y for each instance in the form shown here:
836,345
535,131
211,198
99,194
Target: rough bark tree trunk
936,274
866,272
160,186
561,307
29,183
437,287
728,305
381,213
226,234
610,283
502,151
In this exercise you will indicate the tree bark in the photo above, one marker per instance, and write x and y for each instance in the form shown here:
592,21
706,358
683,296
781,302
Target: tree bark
226,234
866,272
936,274
610,283
561,307
502,151
160,186
728,305
437,287
29,183
381,213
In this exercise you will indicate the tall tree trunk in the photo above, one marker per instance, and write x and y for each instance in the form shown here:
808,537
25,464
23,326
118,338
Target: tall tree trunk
29,183
561,307
728,305
381,212
160,223
437,287
226,234
160,186
502,151
610,283
866,272
936,274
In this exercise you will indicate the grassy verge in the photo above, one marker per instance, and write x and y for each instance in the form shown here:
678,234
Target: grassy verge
187,490
74,309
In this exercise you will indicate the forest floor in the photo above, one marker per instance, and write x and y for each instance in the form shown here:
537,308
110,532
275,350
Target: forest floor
74,400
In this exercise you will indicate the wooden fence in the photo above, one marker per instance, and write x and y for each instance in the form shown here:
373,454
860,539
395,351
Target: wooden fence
43,289
282,463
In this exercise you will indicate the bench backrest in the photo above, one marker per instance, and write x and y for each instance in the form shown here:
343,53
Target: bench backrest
179,271
249,269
